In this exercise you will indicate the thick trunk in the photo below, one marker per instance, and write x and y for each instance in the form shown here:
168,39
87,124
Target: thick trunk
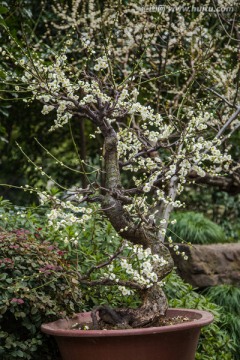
154,300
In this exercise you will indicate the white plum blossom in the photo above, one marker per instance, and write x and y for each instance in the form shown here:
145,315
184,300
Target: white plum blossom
140,267
101,63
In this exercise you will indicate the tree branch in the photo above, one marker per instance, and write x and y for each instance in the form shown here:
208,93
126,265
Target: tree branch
107,262
230,120
229,184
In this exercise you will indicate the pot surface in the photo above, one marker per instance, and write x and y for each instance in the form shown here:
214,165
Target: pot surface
172,342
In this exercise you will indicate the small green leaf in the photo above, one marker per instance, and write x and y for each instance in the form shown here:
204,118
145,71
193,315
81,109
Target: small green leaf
20,353
3,10
3,276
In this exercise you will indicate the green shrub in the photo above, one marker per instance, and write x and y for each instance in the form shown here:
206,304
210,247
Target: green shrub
35,285
222,208
228,297
215,341
24,253
83,249
34,288
195,228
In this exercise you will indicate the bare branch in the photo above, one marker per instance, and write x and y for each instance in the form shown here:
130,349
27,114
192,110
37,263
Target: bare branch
228,184
107,262
227,124
222,98
109,282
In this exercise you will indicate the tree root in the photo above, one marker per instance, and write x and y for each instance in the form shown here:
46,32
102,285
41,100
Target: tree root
153,309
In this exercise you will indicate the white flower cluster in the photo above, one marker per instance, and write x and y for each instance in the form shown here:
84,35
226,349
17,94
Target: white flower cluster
89,18
101,63
125,291
195,152
176,248
69,19
93,92
138,206
128,144
139,267
199,151
51,85
65,214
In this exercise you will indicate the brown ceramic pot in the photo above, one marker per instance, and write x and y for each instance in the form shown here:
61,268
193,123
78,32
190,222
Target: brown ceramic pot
173,342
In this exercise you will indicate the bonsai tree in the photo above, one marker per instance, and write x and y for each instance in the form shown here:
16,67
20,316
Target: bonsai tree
141,80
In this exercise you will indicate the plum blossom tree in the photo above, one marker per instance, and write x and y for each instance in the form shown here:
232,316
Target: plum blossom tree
162,96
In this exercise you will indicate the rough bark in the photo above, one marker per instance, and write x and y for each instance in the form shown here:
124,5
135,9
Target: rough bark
154,301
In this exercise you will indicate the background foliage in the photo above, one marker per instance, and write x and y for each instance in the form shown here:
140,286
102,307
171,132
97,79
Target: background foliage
35,288
195,228
216,341
228,297
27,299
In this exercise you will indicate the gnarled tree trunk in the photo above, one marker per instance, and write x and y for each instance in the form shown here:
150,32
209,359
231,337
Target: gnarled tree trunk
154,301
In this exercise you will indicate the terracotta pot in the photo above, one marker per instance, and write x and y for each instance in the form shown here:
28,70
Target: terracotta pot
172,342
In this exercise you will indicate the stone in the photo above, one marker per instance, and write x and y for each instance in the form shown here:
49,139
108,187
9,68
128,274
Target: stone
209,265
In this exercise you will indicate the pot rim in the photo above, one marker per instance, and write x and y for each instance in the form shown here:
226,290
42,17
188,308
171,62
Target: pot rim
198,319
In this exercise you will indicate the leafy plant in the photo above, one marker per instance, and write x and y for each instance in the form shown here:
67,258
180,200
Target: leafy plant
222,208
228,297
83,249
34,287
195,228
216,341
44,300
36,282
